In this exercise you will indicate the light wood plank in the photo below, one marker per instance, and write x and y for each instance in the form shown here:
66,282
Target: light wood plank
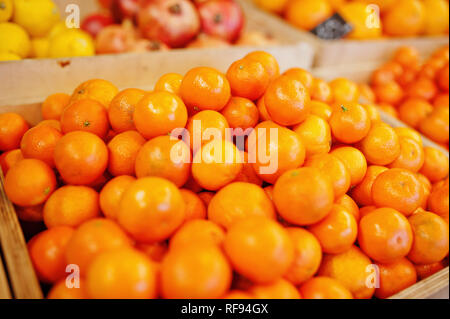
426,288
4,285
24,282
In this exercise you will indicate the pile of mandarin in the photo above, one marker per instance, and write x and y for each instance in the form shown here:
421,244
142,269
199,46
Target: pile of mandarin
416,93
354,209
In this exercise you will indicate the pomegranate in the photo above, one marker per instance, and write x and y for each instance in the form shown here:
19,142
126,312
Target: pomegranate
124,9
174,22
94,23
222,18
114,39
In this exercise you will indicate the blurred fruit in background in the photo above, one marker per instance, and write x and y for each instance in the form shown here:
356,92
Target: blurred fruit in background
370,19
36,29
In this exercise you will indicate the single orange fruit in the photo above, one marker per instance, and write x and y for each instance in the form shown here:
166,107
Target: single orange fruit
248,79
422,88
280,289
324,288
228,206
399,189
9,159
111,194
123,151
30,182
307,256
436,165
121,109
344,91
47,252
315,134
351,270
337,232
407,56
54,105
303,196
390,93
85,115
93,238
302,75
430,238
241,113
405,18
197,232
170,82
321,109
12,127
307,14
159,113
335,169
395,277
195,272
354,161
205,88
216,164
287,101
381,146
204,126
321,91
273,150
99,90
414,111
71,206
259,249
195,208
81,157
122,273
385,235
151,209
39,143
350,123
411,156
436,125
267,60
362,193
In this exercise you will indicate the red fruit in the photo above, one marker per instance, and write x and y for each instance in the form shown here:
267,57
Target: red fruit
105,3
222,18
124,9
174,22
114,39
94,23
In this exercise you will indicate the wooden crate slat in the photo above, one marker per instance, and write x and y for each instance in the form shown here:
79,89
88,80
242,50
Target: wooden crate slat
4,285
427,287
24,282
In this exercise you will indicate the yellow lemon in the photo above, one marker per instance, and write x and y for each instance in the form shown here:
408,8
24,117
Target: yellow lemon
6,56
73,42
57,29
39,48
436,17
14,39
364,19
36,16
6,10
272,5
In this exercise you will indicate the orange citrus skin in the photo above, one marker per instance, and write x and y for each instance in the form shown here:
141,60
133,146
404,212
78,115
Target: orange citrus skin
259,249
12,128
324,288
385,235
395,277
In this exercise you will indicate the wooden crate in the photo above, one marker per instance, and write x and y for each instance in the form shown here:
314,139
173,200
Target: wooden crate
334,52
38,78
